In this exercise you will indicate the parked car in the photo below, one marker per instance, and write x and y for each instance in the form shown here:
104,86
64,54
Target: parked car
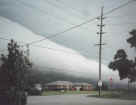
34,91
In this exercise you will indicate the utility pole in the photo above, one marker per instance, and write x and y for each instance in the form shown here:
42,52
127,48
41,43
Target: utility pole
100,33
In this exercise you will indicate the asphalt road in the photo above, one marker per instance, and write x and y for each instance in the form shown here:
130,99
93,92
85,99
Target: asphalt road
76,100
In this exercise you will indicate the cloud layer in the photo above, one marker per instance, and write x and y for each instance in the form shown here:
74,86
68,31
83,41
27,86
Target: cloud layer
46,17
49,54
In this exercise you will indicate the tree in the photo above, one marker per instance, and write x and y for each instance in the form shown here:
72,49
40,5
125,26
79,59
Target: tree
121,63
126,67
14,68
132,39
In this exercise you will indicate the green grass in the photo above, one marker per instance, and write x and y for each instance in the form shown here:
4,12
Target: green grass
117,95
105,94
47,93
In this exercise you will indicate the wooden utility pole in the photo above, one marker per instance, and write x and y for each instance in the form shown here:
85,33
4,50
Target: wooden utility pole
100,33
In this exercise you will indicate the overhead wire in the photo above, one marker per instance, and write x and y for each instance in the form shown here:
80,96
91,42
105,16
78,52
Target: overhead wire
83,23
120,6
60,33
76,26
39,46
45,13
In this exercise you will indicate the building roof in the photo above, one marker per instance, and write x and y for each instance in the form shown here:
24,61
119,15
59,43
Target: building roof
82,84
69,83
60,83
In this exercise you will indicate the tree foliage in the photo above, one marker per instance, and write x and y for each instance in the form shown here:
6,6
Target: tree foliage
125,67
13,71
132,39
122,64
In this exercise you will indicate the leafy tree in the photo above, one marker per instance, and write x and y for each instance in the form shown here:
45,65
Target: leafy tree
126,67
14,68
121,63
132,39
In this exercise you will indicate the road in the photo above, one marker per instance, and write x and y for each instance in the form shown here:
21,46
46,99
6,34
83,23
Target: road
76,100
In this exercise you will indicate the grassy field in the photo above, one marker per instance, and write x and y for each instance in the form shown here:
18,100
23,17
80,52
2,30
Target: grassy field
117,95
47,93
104,94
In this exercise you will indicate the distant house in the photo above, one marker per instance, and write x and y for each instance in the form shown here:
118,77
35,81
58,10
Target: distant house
66,85
59,85
83,86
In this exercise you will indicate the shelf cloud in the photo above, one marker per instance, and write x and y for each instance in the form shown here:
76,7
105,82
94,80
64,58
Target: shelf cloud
48,54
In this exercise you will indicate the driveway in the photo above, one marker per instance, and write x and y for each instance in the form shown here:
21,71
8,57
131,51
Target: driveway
76,100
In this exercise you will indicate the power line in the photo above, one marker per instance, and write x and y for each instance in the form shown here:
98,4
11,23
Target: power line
121,6
118,16
54,69
60,33
76,26
38,46
54,35
118,24
79,25
45,13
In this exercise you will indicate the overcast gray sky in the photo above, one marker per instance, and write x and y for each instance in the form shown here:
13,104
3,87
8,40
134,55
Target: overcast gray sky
47,17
